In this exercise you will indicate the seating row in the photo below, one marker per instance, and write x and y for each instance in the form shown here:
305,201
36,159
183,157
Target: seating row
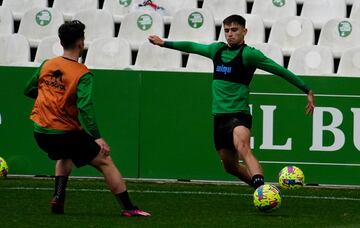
115,53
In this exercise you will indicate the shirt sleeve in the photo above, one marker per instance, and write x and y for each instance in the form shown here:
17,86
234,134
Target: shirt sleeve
257,59
31,87
86,106
207,50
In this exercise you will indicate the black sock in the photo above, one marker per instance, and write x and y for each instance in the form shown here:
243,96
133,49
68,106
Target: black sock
124,200
60,187
257,180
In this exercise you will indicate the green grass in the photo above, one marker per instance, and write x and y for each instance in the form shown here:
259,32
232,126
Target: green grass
25,203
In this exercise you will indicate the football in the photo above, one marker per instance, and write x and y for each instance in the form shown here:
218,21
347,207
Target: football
4,169
267,198
291,177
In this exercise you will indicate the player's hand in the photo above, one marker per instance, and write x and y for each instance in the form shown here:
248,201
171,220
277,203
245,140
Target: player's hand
104,147
156,40
310,105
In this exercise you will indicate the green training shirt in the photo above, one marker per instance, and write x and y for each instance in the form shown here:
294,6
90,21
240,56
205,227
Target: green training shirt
231,97
84,103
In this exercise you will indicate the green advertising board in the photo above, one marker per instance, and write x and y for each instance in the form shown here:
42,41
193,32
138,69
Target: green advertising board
159,126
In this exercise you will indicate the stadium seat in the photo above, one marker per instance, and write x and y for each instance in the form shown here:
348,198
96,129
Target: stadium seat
19,7
138,25
312,60
272,51
350,62
70,7
193,25
118,8
320,11
198,63
14,49
272,10
224,8
48,48
152,57
355,11
339,35
172,6
39,23
99,24
109,53
255,27
6,21
292,32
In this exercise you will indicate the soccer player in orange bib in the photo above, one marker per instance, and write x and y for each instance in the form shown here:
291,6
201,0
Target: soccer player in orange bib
62,89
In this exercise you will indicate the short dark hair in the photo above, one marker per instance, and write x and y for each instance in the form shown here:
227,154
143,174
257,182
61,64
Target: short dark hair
70,32
234,19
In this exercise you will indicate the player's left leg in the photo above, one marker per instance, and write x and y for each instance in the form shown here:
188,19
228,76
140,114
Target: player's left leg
63,169
241,136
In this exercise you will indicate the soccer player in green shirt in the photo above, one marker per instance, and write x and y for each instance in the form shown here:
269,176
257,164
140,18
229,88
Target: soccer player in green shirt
234,67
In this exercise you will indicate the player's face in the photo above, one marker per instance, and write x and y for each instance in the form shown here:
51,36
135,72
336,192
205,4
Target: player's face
234,34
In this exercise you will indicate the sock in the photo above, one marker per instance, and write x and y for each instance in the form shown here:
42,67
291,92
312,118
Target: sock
124,200
257,180
60,187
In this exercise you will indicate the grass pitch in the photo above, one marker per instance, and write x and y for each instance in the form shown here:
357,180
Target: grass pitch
25,203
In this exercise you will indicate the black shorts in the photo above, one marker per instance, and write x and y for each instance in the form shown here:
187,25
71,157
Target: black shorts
78,146
224,126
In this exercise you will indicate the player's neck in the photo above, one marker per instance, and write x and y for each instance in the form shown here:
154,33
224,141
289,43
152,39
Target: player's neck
71,54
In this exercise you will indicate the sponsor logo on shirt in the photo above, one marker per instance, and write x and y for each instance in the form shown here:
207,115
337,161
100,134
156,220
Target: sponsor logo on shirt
56,80
223,69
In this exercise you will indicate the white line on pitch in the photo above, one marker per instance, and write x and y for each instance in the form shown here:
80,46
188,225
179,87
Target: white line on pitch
185,193
298,94
311,163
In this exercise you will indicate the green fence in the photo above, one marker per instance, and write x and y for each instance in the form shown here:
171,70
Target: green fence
159,125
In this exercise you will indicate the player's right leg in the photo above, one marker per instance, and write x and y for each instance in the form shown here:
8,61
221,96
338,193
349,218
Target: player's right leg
241,138
230,161
117,185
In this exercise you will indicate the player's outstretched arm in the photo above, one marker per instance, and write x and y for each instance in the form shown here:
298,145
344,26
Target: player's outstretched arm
311,102
156,40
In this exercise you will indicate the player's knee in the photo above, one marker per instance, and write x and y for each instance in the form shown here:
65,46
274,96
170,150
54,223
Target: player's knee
243,148
102,161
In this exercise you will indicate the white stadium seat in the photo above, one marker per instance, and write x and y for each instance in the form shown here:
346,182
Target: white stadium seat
312,60
138,25
99,24
355,11
14,49
39,23
291,33
118,8
350,62
19,7
194,25
172,6
152,57
272,51
272,10
6,21
109,53
198,63
340,35
255,27
70,7
320,11
224,8
48,48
